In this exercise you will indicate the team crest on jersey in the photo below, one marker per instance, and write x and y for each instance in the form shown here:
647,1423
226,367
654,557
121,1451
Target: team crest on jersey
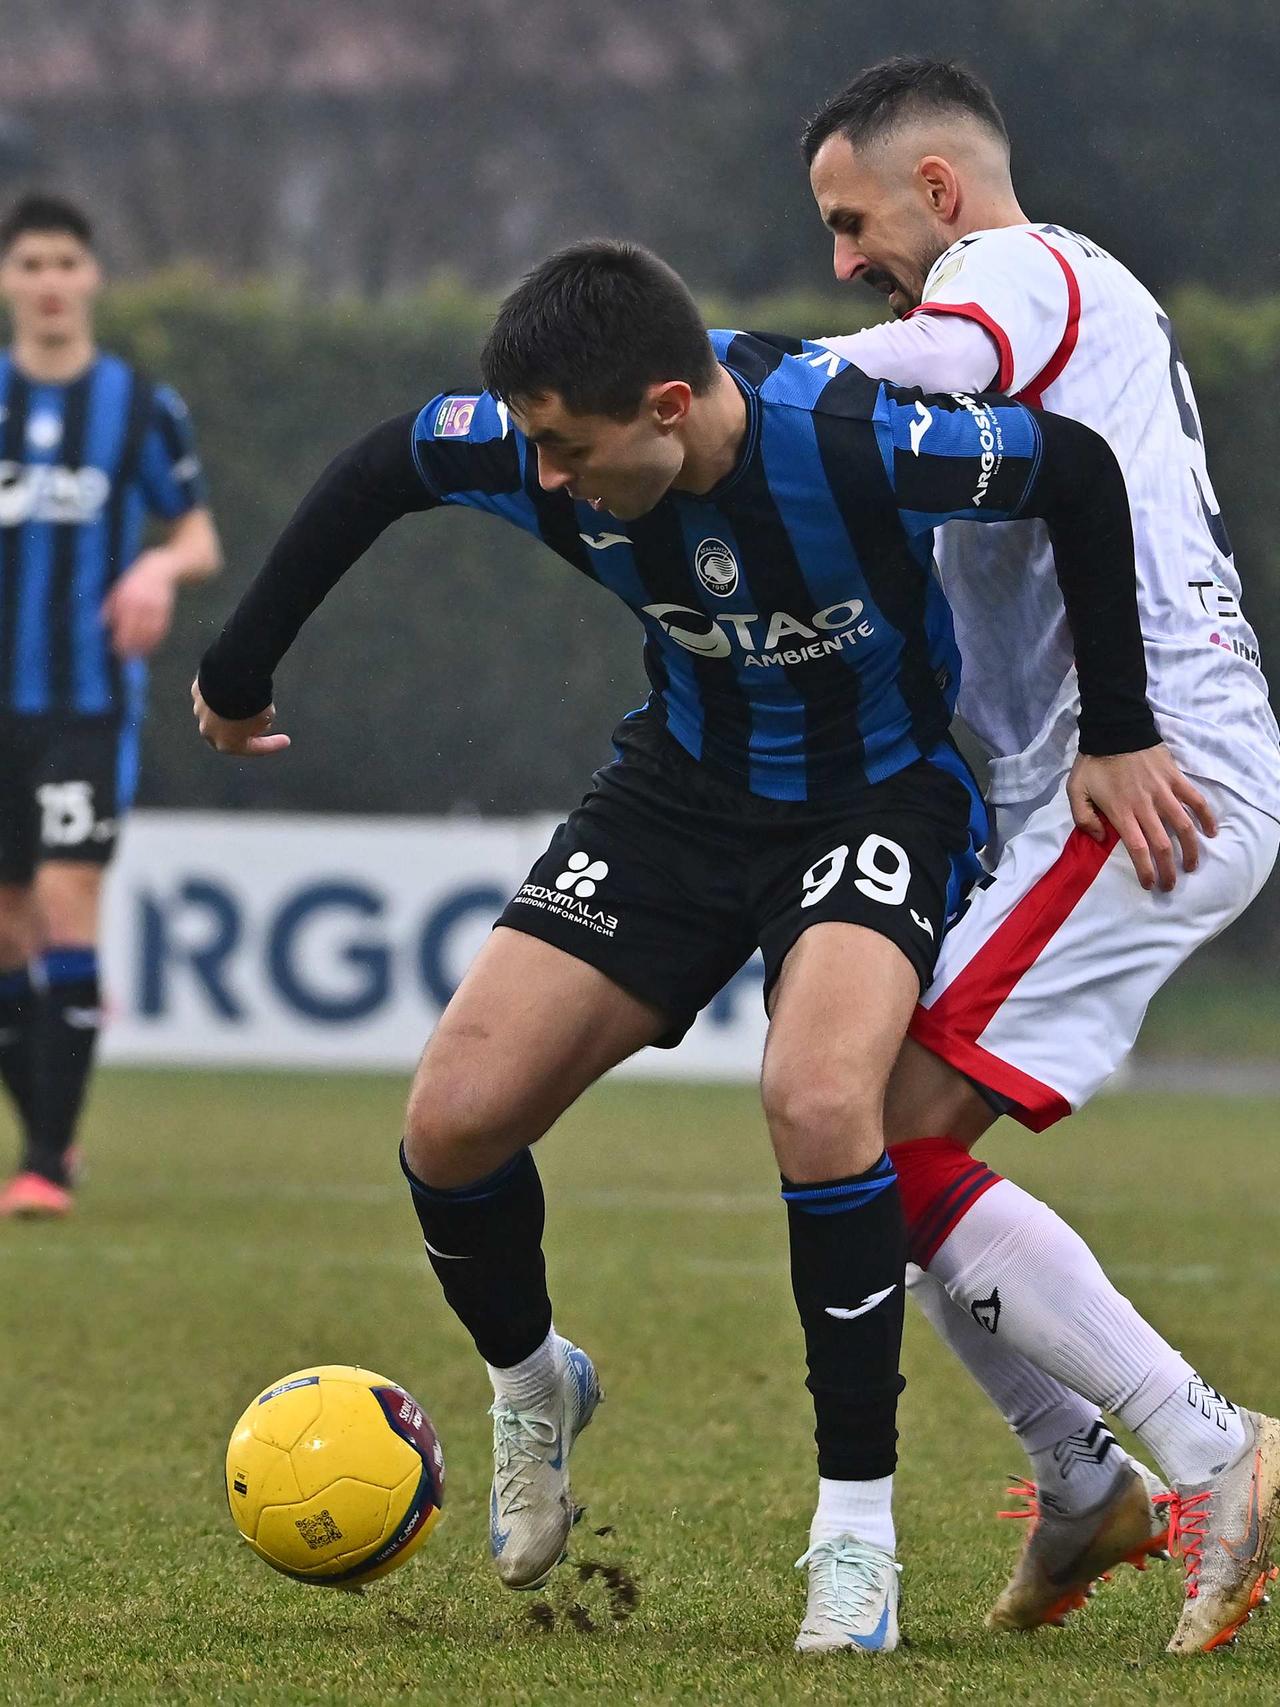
948,272
453,418
717,567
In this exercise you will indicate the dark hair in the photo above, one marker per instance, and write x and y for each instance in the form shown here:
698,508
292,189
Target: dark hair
597,323
897,89
44,213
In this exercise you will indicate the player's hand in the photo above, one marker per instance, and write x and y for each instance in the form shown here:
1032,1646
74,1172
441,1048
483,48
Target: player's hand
1150,805
246,737
139,608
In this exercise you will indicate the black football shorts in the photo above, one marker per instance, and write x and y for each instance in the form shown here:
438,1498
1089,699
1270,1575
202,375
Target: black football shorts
60,794
667,879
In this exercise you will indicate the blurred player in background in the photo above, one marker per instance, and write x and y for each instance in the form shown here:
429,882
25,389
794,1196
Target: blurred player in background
1041,987
89,448
766,511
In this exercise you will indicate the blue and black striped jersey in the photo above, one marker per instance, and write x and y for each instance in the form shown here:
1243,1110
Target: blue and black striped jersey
797,640
81,467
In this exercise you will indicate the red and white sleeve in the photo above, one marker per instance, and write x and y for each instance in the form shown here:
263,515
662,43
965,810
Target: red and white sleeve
1020,290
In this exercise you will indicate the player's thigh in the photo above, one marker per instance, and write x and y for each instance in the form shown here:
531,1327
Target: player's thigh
19,925
1042,986
928,1098
616,939
529,1029
852,919
68,902
841,1005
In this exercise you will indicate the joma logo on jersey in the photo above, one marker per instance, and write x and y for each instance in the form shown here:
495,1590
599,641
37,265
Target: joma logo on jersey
826,631
990,443
39,493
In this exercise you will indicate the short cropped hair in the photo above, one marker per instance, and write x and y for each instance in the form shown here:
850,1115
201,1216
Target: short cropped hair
46,214
894,91
597,324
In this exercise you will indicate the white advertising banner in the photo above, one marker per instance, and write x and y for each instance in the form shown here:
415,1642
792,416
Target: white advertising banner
245,939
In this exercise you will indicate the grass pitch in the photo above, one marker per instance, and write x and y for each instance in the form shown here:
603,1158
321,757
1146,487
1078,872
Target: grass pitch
235,1228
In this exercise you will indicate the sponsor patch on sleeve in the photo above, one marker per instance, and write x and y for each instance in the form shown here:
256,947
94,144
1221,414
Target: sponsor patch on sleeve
453,418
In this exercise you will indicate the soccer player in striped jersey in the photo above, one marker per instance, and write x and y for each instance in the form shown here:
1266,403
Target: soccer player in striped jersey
89,448
1041,988
767,512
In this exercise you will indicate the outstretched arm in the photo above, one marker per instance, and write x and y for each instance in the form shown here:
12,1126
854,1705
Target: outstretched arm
362,491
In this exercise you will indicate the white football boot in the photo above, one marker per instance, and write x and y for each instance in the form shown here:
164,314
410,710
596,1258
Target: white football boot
1223,1530
853,1598
531,1509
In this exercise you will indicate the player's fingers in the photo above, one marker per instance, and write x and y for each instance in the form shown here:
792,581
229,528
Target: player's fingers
1191,797
1159,844
1135,845
1179,823
1084,812
257,744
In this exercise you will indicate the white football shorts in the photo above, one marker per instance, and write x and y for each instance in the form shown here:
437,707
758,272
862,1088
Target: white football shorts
1042,985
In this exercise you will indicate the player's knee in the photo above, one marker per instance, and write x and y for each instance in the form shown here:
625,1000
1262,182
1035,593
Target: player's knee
824,1124
456,1128
442,1122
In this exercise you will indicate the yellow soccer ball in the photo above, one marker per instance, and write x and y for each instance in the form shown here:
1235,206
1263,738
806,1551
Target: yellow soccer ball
335,1475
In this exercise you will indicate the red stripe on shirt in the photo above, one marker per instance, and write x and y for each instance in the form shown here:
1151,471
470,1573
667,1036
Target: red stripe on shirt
1033,392
974,311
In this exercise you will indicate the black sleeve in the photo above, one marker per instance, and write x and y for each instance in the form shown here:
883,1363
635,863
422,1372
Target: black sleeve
1079,491
364,489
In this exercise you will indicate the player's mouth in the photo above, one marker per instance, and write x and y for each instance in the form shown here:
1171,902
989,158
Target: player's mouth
50,304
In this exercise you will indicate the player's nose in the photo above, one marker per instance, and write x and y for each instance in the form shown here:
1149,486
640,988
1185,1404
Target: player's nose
848,260
551,478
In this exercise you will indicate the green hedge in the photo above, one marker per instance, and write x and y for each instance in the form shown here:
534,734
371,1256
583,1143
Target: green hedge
460,666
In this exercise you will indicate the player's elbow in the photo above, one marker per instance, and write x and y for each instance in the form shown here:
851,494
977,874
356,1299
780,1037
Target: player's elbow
1078,459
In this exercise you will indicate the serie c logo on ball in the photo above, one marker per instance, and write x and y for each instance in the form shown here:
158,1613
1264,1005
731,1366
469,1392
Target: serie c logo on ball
716,567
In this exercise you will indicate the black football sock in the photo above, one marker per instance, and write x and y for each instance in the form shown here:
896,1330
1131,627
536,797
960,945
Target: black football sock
18,1001
65,1035
848,1267
484,1242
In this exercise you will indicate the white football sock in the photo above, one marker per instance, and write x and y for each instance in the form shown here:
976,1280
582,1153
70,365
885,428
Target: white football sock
1079,1471
863,1509
1025,1277
1196,1430
1074,1456
533,1384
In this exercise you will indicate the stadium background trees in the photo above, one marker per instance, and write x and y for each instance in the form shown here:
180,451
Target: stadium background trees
360,148
390,168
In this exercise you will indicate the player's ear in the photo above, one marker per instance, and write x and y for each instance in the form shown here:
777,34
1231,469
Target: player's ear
669,403
940,184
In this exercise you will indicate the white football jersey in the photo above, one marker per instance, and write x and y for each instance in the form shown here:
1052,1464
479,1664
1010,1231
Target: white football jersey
1078,334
